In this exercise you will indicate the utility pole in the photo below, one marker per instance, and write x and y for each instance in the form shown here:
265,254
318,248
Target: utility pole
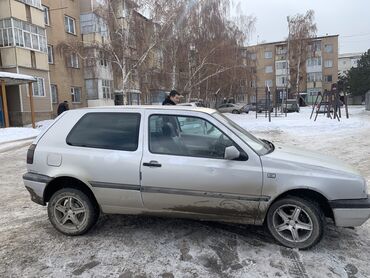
287,70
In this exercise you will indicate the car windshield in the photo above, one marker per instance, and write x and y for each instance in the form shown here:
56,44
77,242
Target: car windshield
256,144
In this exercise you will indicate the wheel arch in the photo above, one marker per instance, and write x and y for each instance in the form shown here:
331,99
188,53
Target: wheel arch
68,182
305,193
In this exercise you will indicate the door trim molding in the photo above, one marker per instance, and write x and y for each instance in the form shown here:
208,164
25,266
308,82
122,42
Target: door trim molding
163,190
99,184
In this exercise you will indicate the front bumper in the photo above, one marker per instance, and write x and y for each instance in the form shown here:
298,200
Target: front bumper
351,213
36,184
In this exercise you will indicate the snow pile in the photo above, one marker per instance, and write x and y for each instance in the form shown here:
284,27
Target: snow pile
21,133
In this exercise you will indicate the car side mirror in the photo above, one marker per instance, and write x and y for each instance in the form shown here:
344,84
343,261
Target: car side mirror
231,153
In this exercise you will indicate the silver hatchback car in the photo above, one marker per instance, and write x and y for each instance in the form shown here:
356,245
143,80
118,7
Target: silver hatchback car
187,162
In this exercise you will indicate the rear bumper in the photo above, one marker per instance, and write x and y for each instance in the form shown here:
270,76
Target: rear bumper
36,184
351,213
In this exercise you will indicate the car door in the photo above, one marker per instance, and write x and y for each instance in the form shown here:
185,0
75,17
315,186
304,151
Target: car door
180,176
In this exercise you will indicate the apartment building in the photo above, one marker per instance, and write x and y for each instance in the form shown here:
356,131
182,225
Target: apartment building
23,49
62,21
98,72
347,61
269,63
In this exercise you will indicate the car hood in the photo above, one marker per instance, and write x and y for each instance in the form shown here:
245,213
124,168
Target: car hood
309,160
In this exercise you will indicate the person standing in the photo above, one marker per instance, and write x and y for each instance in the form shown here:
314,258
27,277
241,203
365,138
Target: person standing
62,107
172,99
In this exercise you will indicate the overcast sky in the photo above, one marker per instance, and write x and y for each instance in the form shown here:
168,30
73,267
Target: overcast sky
348,18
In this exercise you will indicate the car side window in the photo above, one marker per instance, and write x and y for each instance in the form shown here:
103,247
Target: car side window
186,136
115,131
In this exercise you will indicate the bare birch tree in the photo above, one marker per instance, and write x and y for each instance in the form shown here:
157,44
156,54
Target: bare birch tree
301,30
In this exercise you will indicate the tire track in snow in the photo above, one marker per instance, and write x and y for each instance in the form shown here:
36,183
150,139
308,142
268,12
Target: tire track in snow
295,265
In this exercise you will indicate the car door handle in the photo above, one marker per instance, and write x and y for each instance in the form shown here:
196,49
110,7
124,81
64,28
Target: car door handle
152,163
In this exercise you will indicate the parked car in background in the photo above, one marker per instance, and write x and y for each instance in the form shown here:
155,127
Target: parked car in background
230,108
291,106
189,163
260,106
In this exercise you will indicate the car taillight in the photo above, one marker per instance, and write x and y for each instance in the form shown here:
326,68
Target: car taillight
31,153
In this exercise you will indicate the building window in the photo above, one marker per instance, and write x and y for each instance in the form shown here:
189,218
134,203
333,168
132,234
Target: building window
268,83
252,56
328,78
22,34
268,69
268,54
315,46
50,54
106,87
252,83
328,63
76,94
6,33
314,76
92,23
313,62
281,50
74,61
328,48
281,65
354,62
54,93
103,59
280,81
38,87
70,25
46,15
33,3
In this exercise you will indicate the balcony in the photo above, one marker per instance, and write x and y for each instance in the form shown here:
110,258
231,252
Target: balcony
33,3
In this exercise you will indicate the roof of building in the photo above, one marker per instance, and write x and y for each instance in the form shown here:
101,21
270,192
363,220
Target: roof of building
350,55
285,41
15,78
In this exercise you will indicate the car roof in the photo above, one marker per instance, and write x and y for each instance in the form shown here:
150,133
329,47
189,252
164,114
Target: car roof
150,107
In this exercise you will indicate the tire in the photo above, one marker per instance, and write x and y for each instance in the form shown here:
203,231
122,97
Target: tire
235,112
284,214
72,212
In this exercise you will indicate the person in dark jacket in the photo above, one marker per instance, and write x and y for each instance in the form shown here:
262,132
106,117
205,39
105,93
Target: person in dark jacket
62,107
172,99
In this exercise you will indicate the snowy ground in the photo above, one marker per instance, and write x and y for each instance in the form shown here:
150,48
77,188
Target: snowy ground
131,246
21,133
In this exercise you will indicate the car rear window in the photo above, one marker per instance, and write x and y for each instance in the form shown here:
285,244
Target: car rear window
116,131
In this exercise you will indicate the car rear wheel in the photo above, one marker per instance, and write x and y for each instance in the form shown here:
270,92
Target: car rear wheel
235,112
296,222
72,212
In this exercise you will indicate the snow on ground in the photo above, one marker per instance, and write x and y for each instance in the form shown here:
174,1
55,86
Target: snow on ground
300,124
20,133
144,246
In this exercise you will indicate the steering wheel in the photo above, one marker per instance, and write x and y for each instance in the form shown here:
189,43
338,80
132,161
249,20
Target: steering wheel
219,146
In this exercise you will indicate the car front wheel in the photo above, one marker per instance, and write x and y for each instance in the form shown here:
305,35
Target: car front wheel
235,112
72,212
296,222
